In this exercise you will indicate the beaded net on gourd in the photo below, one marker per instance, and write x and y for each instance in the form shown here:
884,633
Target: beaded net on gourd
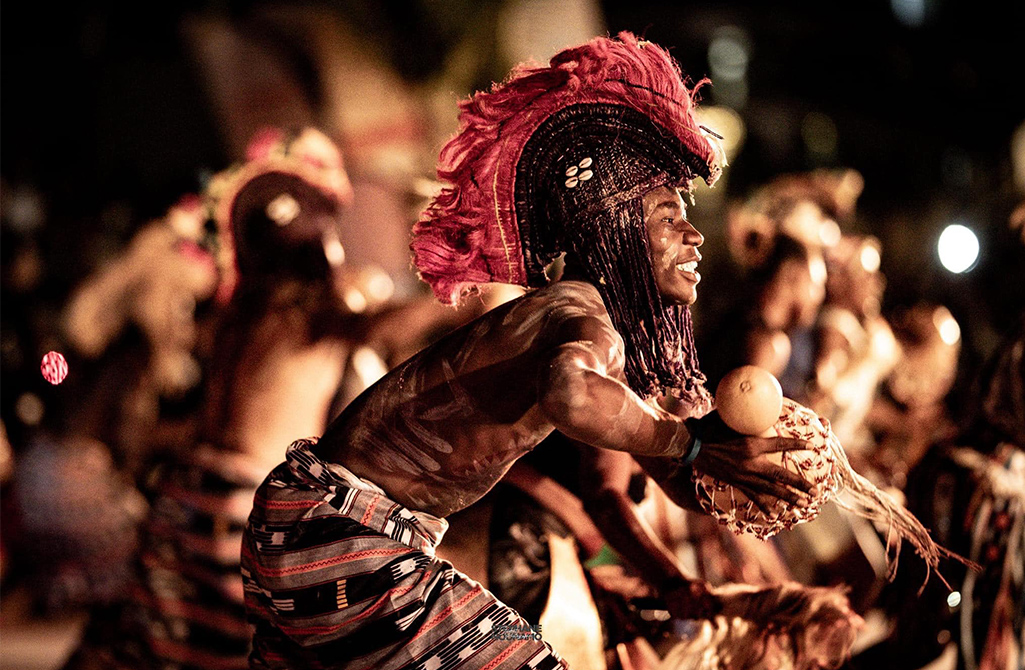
824,463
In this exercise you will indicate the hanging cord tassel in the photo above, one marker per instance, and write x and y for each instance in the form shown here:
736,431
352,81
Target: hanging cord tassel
863,498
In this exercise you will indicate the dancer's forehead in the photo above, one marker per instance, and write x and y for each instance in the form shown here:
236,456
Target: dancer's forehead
664,197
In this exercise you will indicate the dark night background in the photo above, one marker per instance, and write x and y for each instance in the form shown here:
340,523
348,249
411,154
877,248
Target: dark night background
103,115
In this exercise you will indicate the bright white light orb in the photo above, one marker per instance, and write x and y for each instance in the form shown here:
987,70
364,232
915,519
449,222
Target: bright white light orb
958,248
953,599
870,259
947,326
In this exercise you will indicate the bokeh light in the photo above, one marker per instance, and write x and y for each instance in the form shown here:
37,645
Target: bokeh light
726,123
29,408
333,250
54,367
354,300
829,233
728,53
870,259
909,12
958,248
947,326
820,135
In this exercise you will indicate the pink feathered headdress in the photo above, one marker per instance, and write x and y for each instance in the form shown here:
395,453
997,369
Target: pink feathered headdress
471,233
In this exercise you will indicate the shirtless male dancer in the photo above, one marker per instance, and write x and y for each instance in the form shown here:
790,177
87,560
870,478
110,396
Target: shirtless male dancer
590,157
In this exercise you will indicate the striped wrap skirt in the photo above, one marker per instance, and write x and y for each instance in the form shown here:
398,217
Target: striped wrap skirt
336,575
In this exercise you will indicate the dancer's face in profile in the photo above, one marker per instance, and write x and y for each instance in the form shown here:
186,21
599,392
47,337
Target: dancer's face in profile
674,243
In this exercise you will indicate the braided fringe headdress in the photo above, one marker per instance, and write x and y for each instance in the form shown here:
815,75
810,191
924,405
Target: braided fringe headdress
470,234
556,160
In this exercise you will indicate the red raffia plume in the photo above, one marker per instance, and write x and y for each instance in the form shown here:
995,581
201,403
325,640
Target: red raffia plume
469,234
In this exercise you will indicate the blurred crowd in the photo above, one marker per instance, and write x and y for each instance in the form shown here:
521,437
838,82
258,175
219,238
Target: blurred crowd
202,341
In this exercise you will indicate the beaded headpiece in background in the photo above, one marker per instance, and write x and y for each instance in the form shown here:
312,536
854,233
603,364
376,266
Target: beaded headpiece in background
807,207
308,156
557,159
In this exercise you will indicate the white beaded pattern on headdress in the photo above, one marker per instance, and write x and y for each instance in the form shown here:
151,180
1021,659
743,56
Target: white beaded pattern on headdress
579,172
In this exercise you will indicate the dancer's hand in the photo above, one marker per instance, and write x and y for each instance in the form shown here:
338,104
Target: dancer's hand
740,461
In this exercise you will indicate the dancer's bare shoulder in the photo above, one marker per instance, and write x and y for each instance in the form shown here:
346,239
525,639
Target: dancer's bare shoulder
566,312
439,430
